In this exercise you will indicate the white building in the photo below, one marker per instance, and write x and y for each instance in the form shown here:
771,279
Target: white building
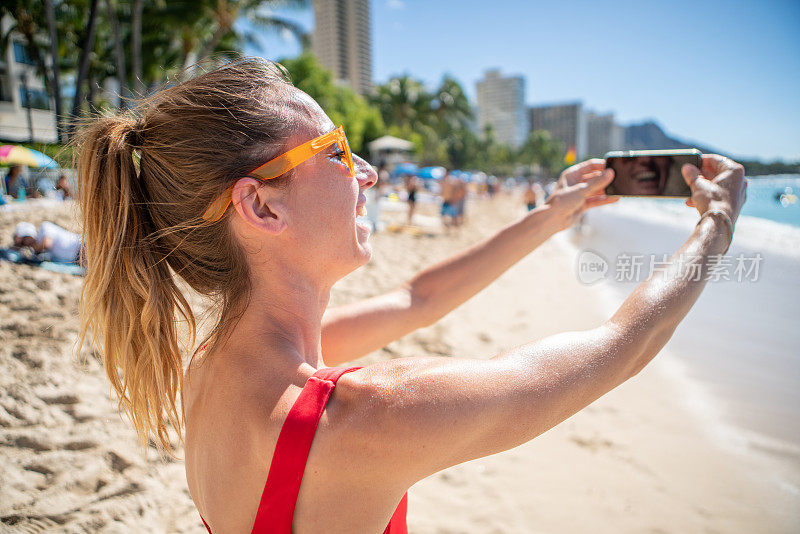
17,70
501,105
342,41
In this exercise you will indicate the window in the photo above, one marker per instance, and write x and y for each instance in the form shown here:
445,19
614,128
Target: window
21,54
35,98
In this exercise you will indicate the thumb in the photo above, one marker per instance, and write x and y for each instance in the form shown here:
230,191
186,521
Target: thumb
692,176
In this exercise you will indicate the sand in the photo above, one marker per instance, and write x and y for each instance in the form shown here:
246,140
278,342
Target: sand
638,460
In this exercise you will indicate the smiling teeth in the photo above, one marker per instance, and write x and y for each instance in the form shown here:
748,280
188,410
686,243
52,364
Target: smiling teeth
361,211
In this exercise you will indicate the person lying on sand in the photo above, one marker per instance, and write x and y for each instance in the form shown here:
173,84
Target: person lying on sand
50,242
243,188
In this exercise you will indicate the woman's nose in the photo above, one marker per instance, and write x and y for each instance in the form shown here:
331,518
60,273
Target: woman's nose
364,172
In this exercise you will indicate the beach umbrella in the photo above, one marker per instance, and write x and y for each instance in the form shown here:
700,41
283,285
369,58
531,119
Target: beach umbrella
433,173
404,168
19,155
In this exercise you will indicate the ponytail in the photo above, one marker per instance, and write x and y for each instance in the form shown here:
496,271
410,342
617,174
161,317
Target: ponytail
146,177
129,296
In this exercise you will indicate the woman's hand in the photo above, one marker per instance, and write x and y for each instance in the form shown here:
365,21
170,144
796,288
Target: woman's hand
720,185
579,188
579,172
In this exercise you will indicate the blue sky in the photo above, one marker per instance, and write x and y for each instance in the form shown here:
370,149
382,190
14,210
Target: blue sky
723,73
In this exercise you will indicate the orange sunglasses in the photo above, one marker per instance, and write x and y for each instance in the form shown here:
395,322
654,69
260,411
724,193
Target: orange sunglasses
283,164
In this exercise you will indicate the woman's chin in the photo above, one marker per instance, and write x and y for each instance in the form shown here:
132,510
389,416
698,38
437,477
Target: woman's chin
363,230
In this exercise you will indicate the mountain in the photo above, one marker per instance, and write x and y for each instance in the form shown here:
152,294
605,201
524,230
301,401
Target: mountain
650,136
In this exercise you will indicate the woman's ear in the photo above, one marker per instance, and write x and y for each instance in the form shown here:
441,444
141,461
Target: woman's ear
260,206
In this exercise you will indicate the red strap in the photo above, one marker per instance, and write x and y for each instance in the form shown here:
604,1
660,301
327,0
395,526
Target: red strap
278,500
397,524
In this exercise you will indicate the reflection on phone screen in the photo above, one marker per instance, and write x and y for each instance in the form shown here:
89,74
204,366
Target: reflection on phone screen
649,175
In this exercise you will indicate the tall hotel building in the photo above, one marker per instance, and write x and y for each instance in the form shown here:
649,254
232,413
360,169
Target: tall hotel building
565,122
603,134
342,41
501,105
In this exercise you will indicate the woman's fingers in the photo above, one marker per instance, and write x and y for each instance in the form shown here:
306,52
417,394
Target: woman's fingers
598,200
597,181
589,165
576,173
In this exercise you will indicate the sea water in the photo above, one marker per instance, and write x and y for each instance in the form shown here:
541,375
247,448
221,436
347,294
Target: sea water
763,198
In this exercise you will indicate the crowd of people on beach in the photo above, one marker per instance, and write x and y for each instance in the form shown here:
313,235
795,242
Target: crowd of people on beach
18,186
450,192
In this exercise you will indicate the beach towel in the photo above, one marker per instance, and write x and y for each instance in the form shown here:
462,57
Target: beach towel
42,260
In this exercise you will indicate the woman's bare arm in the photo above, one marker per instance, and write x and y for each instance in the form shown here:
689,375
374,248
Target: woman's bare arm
357,329
426,414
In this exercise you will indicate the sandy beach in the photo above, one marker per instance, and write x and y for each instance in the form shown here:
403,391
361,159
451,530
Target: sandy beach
645,458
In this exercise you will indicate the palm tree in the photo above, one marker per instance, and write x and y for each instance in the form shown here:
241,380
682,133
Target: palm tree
87,44
136,46
54,60
451,106
119,52
404,102
540,148
222,14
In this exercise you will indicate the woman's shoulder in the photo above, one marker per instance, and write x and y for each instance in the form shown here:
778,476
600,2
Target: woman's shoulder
224,382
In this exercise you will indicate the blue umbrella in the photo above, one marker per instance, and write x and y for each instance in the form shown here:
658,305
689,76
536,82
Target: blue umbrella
432,173
404,168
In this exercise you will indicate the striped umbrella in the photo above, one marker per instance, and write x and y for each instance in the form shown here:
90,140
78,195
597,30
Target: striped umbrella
19,155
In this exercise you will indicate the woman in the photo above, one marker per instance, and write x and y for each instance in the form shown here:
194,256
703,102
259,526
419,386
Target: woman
239,184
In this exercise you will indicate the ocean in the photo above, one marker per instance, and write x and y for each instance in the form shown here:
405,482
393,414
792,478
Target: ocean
764,198
763,201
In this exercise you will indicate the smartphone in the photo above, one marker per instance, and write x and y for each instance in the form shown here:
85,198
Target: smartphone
639,173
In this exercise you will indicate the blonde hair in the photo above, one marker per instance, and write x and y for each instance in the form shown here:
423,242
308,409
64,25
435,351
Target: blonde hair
146,177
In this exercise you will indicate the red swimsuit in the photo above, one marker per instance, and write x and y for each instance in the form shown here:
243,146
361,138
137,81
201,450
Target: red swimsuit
276,510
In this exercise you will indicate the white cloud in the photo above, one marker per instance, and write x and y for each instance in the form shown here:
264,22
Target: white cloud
396,4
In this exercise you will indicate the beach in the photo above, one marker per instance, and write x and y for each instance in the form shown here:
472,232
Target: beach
664,452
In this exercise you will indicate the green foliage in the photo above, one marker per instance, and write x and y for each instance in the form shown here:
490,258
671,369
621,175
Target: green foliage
362,122
541,149
758,168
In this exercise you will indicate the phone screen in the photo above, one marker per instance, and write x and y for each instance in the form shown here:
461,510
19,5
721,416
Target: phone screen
650,175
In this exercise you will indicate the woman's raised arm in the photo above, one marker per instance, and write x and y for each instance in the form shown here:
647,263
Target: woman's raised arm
430,413
351,331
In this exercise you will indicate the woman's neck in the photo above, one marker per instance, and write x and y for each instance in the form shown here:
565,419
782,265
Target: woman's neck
283,319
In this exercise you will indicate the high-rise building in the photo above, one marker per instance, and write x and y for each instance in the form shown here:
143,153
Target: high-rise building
603,134
565,122
501,105
342,41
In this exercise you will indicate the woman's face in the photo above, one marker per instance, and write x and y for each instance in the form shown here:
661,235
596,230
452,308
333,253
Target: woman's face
641,175
324,201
